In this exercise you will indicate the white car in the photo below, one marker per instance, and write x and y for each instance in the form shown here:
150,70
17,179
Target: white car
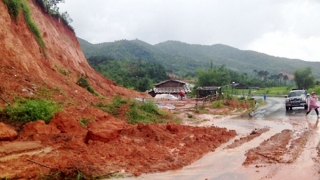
297,98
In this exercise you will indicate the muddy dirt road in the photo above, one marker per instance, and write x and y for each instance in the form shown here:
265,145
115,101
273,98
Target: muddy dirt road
274,144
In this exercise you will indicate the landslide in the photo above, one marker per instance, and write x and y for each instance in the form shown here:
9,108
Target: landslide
63,148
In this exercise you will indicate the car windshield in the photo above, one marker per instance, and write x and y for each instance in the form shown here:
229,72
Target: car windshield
296,93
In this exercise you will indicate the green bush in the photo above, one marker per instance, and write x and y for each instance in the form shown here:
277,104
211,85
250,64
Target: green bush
64,72
218,104
83,82
26,110
150,107
84,122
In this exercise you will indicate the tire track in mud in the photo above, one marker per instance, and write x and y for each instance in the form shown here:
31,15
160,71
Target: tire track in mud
255,133
317,158
284,147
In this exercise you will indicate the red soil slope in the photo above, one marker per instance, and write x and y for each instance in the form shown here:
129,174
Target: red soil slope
108,144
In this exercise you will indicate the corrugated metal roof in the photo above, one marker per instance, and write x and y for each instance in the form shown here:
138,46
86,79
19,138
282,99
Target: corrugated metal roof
170,80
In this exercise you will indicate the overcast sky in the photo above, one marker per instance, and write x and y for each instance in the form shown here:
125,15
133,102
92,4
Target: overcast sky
283,28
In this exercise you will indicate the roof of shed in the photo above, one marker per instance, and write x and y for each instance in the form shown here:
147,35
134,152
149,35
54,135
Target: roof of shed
170,80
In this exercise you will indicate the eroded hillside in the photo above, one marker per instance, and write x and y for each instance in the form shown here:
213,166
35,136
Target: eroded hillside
63,147
24,66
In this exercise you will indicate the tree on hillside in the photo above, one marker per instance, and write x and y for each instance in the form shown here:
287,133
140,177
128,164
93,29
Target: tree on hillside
51,7
263,75
266,73
304,78
138,75
280,77
274,79
213,77
255,71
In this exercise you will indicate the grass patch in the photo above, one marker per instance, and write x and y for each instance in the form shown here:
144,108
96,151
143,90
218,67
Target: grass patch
84,122
67,173
201,109
62,71
45,93
114,107
135,112
146,112
218,104
26,110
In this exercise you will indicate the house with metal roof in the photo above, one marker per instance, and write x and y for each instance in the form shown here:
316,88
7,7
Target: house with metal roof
169,87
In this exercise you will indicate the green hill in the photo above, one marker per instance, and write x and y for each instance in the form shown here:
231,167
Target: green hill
182,58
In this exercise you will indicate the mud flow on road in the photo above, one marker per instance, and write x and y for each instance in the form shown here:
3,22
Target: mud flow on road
273,144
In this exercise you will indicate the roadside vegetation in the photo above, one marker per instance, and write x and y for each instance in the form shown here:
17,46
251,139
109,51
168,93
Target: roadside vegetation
137,112
272,91
265,85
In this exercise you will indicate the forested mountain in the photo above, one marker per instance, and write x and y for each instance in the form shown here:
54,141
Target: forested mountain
184,59
138,50
139,75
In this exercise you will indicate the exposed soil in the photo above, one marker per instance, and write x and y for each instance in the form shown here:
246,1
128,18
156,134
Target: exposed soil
112,147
